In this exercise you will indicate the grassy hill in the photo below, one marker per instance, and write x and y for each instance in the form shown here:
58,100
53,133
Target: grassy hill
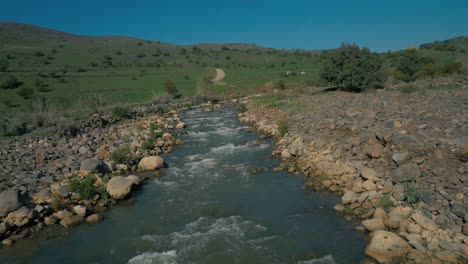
74,69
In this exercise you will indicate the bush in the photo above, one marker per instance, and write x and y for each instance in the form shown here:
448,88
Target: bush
122,155
186,77
451,68
412,194
148,144
384,201
13,126
141,55
153,134
409,64
39,54
171,89
352,68
283,128
281,84
120,112
11,82
87,189
26,92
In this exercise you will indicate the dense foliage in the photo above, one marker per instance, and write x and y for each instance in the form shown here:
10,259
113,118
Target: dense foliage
352,68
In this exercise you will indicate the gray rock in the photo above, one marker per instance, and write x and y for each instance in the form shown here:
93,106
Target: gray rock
459,210
406,172
8,201
400,156
442,221
91,165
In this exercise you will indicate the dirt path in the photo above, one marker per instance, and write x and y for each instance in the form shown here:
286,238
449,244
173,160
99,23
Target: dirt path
219,76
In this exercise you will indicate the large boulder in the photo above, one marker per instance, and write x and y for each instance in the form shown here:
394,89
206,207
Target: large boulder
8,201
119,187
348,197
94,219
374,224
150,163
384,246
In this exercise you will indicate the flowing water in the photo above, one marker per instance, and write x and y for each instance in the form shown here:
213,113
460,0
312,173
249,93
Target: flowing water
218,202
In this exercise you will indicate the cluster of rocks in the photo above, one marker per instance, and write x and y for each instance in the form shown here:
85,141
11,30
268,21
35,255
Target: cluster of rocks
399,161
37,174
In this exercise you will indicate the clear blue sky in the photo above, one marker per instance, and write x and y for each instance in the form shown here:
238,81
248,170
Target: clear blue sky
378,24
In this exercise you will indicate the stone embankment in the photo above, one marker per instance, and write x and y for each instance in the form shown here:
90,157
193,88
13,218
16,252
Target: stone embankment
399,162
68,178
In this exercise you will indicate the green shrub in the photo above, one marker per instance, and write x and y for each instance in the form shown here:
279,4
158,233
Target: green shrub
120,112
26,92
13,126
384,201
283,128
153,134
10,82
39,54
122,155
351,68
412,194
148,145
87,189
171,89
141,55
451,68
409,65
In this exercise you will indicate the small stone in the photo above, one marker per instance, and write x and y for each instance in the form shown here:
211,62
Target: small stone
348,197
423,221
285,154
368,174
7,242
80,210
339,208
94,218
373,224
375,151
400,156
50,220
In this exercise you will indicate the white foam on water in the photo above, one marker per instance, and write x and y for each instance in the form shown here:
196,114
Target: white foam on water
325,260
195,238
168,257
165,183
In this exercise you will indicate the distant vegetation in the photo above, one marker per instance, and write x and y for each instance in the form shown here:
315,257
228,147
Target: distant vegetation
73,76
351,68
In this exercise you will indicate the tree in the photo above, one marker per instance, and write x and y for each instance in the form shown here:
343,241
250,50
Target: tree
351,68
171,89
409,64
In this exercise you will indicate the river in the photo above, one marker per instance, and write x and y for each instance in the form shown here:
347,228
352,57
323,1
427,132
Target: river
218,202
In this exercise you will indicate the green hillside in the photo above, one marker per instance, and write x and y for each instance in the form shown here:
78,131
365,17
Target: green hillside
74,68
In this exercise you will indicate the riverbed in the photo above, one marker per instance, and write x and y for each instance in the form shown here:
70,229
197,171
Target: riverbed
217,202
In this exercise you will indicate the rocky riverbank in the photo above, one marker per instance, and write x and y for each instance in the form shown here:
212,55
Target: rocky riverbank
70,177
399,162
